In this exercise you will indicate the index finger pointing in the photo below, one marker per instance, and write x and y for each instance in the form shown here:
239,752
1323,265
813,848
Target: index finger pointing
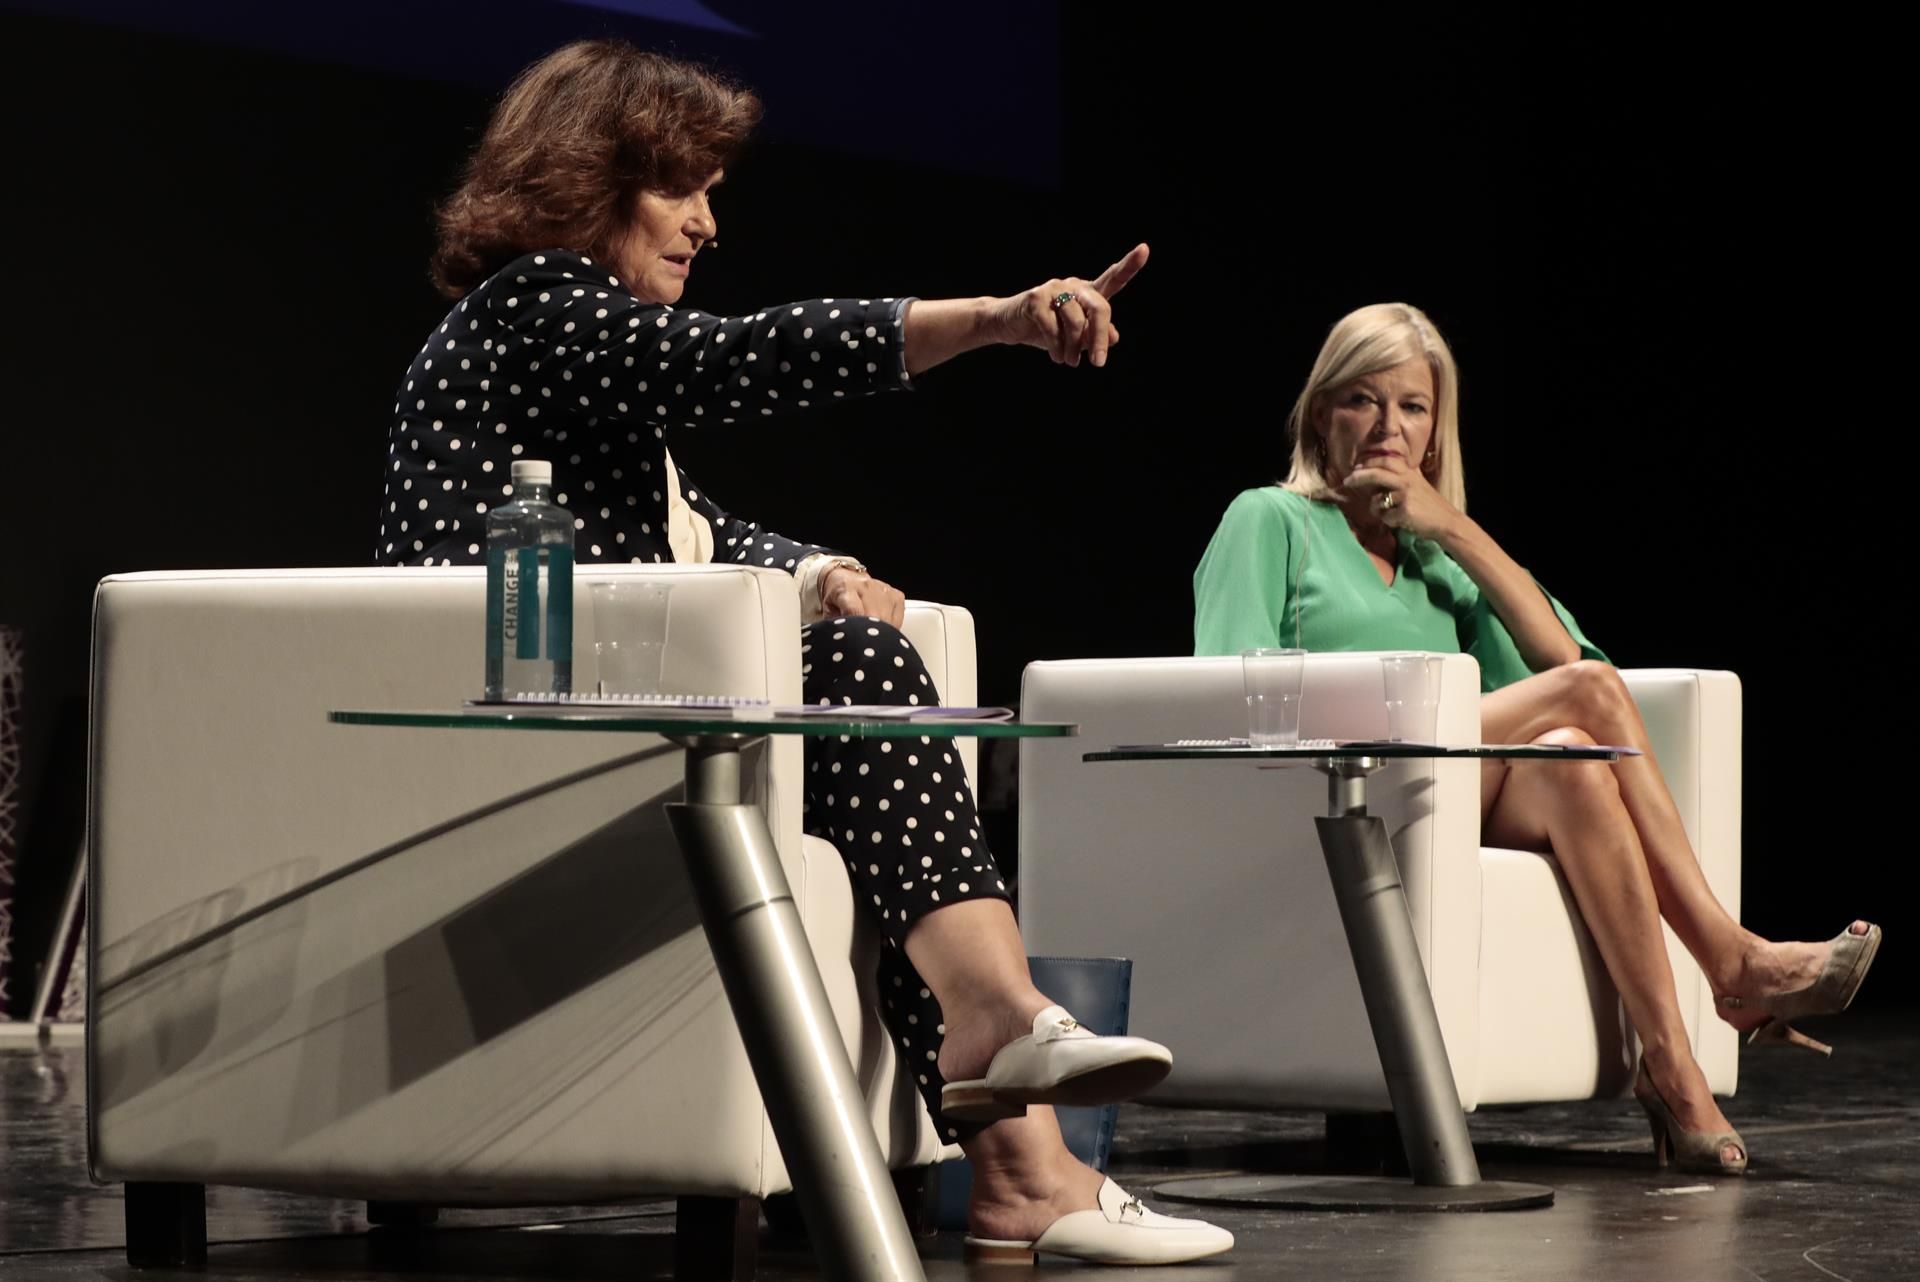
1115,278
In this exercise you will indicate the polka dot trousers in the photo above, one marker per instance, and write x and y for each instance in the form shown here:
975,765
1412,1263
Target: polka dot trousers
901,813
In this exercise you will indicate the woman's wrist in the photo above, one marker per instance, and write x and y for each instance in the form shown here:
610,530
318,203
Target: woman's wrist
814,579
939,329
1456,533
986,321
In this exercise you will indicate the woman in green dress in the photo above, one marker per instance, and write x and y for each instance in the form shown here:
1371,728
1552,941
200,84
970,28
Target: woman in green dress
1367,546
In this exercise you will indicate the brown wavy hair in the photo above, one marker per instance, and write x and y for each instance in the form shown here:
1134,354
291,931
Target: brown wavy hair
575,140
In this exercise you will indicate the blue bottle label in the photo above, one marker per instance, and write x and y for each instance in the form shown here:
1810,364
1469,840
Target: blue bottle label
496,603
523,603
559,603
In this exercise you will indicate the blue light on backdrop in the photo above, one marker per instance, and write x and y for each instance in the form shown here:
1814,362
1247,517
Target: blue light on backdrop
966,85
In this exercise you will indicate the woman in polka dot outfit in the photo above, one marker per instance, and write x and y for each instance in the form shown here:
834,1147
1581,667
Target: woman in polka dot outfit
566,248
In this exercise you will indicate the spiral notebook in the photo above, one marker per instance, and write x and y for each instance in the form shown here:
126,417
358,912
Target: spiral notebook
890,712
709,707
701,707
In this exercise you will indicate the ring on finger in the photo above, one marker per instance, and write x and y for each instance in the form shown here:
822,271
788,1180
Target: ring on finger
1062,298
1388,503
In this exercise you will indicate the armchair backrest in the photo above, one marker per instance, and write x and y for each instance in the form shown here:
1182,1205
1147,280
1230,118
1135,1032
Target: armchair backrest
499,877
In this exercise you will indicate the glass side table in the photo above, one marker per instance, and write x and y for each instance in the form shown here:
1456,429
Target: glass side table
1393,983
766,965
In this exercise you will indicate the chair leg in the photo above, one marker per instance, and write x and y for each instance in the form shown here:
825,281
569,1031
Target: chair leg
917,1187
919,1194
166,1225
1365,1144
402,1215
784,1222
716,1239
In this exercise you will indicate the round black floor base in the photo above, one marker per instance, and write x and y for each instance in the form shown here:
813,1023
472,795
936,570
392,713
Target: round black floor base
1352,1193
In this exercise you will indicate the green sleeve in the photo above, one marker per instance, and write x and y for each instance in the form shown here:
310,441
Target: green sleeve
1484,636
1240,587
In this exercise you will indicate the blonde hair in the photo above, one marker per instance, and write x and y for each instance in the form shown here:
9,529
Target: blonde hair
1365,342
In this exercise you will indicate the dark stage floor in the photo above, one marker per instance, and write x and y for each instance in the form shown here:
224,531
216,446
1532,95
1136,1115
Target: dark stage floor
1834,1194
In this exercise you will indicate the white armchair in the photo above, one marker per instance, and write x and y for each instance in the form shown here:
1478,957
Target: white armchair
438,966
1210,876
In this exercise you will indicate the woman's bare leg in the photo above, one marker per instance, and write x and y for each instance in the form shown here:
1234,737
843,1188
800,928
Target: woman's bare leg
1024,1177
973,960
1593,697
1576,811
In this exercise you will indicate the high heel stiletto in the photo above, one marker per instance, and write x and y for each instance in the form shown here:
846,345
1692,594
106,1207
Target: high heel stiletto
1847,963
1696,1152
1780,1032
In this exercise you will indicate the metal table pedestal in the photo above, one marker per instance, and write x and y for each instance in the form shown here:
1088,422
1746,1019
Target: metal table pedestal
1406,1032
760,949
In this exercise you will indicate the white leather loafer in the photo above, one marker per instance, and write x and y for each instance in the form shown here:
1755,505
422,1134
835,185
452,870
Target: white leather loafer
1121,1232
1058,1063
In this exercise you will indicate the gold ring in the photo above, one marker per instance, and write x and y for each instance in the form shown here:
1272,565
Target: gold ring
1387,504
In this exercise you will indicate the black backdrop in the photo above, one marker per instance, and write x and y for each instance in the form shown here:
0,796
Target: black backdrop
1666,260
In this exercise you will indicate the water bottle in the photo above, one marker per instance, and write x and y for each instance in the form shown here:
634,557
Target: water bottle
529,588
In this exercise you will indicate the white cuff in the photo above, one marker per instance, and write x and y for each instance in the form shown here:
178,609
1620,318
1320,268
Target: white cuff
808,575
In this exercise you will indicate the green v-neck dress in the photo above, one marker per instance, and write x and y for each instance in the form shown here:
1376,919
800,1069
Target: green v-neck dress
1283,570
